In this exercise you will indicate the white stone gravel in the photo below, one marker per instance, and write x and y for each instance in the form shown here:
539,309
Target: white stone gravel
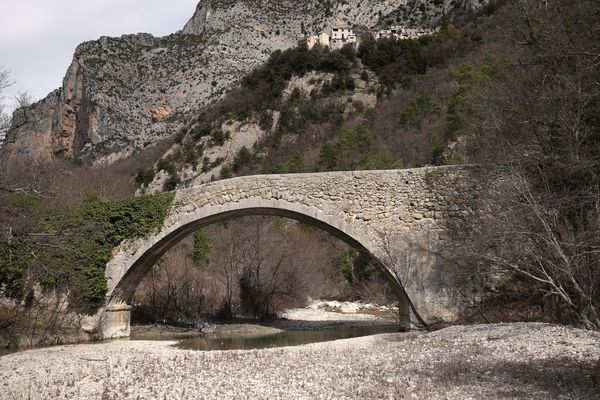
329,313
504,361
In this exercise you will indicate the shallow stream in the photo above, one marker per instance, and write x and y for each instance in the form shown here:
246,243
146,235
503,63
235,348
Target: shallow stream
286,338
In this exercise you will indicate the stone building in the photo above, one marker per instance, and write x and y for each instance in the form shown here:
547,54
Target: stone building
322,39
341,37
400,32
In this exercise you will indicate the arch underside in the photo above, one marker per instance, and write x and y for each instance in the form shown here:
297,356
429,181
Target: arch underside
125,288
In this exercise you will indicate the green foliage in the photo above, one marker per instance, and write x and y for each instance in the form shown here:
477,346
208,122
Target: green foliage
436,152
348,52
218,137
357,141
280,224
200,130
432,177
243,158
333,62
355,267
226,172
370,114
355,149
267,83
298,112
460,104
278,169
393,60
383,159
25,202
166,165
218,161
339,82
14,260
81,241
418,109
258,97
328,157
202,247
171,182
116,220
296,164
266,120
144,177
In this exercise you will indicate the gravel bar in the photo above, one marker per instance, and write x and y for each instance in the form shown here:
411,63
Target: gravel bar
499,361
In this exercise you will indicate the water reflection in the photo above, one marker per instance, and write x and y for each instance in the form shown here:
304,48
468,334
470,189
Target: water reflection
282,339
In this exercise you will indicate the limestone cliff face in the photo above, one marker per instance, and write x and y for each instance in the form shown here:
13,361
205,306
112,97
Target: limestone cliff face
122,94
119,95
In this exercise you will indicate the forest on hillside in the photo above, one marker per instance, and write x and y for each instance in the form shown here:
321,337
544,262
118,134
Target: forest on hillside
516,86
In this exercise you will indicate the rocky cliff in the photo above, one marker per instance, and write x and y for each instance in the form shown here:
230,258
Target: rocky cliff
122,94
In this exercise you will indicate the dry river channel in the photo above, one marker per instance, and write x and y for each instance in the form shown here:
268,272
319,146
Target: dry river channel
498,361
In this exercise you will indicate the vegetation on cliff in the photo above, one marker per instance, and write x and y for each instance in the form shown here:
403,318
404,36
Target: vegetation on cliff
71,246
53,258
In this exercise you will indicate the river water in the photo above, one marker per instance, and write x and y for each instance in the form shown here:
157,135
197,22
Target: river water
245,341
281,339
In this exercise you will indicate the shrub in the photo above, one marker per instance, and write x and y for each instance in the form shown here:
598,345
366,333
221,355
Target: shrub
202,247
460,104
25,202
226,172
218,137
171,183
166,165
418,109
144,177
328,157
78,244
355,267
436,150
393,60
242,159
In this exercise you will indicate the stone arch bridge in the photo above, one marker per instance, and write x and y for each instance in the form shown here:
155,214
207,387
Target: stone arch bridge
397,217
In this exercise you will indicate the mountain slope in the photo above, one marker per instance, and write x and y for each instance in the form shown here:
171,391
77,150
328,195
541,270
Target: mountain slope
122,94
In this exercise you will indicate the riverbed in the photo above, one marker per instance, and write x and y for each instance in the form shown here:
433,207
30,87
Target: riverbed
507,361
319,321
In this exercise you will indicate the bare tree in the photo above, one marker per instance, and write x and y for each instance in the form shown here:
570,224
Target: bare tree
265,265
272,273
177,291
537,115
4,117
22,99
41,316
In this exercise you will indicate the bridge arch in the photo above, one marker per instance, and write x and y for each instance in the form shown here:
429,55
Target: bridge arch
360,208
156,246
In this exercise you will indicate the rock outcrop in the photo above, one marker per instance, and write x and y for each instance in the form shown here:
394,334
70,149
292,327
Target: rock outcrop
122,94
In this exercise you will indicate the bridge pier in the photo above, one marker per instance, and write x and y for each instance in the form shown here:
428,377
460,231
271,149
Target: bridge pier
115,321
404,315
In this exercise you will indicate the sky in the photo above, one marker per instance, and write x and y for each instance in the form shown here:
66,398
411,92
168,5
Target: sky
38,37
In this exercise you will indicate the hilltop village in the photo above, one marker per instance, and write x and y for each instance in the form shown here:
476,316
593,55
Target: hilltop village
336,38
